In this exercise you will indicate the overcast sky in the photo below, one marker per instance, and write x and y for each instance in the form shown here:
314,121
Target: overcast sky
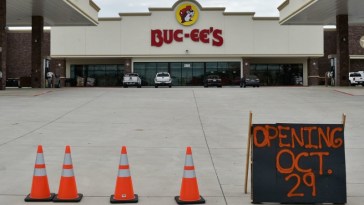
111,8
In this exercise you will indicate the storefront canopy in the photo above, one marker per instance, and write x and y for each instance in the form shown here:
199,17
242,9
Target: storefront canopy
54,12
320,12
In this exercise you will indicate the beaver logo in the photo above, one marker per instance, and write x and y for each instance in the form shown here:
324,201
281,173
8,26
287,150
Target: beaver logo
187,14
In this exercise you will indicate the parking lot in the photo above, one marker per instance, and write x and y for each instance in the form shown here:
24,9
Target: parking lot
157,125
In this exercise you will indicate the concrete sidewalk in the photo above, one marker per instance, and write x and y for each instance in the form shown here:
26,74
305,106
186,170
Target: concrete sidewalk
156,125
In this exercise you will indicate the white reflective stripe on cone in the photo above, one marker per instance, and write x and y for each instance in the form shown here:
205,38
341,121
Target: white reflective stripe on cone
189,174
39,159
124,160
40,172
124,173
67,173
67,159
189,160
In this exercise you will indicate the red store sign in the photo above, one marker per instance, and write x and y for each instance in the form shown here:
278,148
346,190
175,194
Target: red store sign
167,36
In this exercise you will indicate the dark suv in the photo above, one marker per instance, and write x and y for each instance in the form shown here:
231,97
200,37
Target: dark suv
212,80
250,80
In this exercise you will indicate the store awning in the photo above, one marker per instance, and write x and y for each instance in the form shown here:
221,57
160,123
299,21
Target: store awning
54,12
320,12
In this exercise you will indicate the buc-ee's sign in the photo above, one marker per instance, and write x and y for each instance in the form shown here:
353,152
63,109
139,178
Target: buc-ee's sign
187,14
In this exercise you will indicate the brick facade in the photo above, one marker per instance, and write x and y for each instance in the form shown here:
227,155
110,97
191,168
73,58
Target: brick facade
37,52
313,71
127,68
58,66
356,65
3,36
19,53
342,53
355,33
246,66
330,48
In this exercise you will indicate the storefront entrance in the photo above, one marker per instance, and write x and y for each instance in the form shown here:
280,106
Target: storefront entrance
278,74
189,73
97,75
186,73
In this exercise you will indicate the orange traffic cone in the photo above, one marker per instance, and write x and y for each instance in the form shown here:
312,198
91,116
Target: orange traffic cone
189,189
124,192
40,188
67,191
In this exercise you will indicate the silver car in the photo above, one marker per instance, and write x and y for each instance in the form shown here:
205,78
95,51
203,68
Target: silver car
162,78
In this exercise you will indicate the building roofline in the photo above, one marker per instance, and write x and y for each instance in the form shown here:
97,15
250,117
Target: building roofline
239,13
183,1
267,18
82,12
283,5
94,5
297,11
136,14
110,19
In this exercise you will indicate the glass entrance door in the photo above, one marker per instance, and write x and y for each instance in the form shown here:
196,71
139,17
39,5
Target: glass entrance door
198,74
187,73
176,73
187,70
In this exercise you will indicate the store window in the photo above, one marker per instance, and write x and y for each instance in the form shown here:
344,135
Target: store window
278,74
176,73
99,75
189,73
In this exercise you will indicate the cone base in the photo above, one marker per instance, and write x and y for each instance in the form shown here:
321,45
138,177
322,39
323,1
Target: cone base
28,199
200,201
78,199
115,201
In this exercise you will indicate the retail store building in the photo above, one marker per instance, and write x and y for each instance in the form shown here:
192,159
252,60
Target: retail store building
189,41
230,44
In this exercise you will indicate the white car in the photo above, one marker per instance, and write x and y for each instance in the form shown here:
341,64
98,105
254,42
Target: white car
356,78
163,78
132,79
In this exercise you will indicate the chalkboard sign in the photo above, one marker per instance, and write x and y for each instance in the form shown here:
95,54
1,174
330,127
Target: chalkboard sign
298,163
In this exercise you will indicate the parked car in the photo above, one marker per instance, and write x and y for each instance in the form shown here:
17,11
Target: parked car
212,80
297,80
356,78
250,80
162,78
132,79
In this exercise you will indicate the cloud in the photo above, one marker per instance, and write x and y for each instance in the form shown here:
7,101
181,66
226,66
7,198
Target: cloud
110,8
